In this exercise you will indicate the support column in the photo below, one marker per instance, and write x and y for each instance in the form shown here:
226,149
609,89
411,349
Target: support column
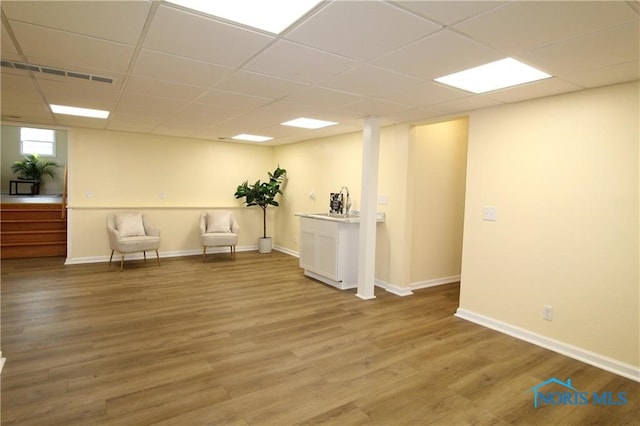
368,209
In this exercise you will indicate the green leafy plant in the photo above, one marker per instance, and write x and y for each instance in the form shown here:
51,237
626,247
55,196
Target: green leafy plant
262,194
32,167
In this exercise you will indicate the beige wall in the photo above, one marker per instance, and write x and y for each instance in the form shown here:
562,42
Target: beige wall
323,166
172,179
438,170
563,174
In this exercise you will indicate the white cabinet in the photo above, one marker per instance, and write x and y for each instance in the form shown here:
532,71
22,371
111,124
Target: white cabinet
329,251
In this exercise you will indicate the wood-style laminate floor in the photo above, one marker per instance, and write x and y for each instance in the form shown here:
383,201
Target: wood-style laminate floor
254,342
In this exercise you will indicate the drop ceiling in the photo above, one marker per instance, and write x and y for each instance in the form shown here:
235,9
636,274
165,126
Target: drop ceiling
180,73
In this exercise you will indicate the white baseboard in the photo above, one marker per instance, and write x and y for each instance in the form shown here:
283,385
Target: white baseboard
398,291
408,291
150,255
287,251
434,282
611,365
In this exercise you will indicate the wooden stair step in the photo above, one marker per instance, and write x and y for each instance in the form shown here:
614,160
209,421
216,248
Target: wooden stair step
32,230
20,237
30,215
33,225
33,250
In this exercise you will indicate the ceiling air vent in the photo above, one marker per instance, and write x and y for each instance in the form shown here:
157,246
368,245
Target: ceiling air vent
56,71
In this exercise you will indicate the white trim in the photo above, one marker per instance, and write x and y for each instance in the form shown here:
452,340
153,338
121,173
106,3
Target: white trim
408,291
597,360
398,291
2,361
163,254
287,251
434,282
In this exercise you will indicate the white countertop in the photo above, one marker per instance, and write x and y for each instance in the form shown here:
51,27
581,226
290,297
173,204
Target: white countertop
333,217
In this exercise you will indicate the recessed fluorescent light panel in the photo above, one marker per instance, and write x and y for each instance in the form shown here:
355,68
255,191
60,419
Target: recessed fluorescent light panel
273,16
308,123
493,76
81,112
251,138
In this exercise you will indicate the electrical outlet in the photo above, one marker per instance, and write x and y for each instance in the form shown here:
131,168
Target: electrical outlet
489,213
547,313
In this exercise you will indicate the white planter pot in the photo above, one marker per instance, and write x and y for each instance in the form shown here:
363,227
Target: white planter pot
264,245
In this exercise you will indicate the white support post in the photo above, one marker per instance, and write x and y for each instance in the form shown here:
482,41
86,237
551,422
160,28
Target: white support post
368,209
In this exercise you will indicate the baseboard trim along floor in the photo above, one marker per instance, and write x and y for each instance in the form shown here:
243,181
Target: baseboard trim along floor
580,354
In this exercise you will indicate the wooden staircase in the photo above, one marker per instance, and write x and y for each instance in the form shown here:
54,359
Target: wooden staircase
32,230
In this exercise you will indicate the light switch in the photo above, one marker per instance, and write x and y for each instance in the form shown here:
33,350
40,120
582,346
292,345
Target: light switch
383,199
489,213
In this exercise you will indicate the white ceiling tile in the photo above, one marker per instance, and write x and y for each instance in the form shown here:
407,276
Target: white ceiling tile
163,66
250,83
91,95
163,89
120,21
321,97
65,50
426,93
373,107
197,115
361,30
196,37
232,100
599,49
538,89
439,54
605,76
21,100
136,105
368,80
469,103
173,130
524,25
411,115
137,126
298,63
448,12
18,83
7,44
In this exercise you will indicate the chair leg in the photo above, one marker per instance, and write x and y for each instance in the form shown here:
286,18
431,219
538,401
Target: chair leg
158,257
121,261
233,252
110,257
204,252
144,253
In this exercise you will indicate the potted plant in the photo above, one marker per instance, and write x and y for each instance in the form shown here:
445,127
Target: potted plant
33,168
263,195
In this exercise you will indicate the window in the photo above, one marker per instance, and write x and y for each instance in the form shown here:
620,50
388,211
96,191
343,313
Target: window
38,141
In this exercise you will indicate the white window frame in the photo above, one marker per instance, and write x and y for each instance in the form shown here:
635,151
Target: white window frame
37,136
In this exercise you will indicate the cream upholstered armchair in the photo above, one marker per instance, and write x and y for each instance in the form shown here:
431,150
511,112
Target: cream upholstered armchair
218,228
131,232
